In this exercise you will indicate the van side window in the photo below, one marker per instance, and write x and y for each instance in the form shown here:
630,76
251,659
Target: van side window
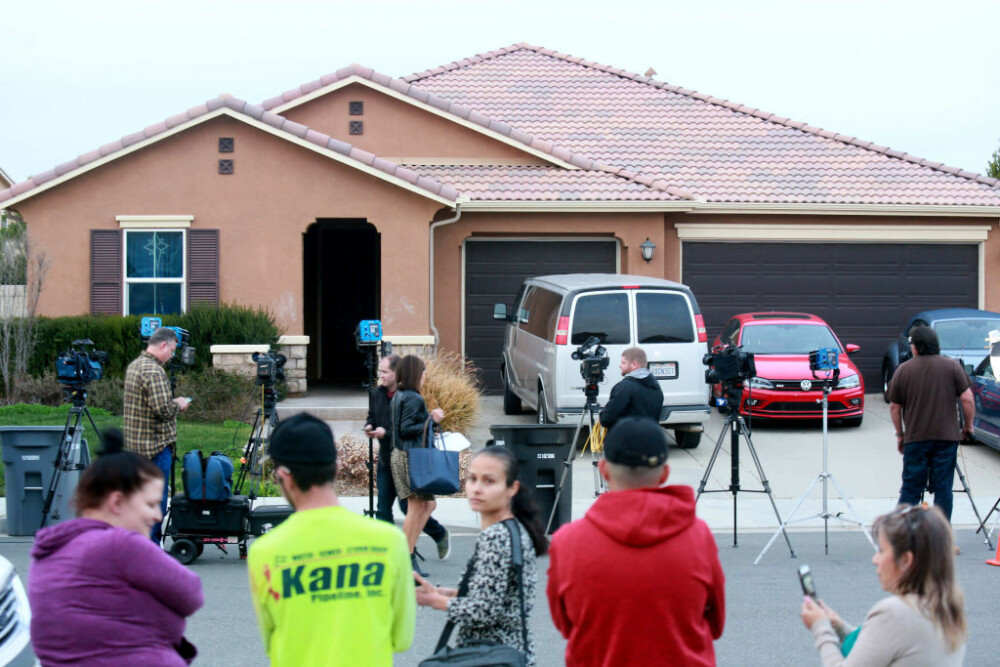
663,317
541,307
602,315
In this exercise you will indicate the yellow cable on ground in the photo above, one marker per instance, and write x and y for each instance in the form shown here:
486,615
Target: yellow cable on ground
596,439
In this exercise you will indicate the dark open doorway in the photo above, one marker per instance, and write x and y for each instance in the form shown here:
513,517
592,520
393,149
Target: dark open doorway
342,269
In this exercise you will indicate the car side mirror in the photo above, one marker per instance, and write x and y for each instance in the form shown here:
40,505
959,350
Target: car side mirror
500,312
852,348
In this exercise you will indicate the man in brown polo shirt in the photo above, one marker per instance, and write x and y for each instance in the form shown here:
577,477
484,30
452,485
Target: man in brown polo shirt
922,404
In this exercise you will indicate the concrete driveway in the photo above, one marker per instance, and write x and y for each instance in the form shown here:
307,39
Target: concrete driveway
863,461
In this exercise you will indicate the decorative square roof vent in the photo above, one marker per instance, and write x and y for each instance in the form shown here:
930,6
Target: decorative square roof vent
357,108
226,144
226,167
357,127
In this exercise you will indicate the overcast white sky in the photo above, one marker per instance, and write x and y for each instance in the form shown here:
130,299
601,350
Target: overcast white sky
919,76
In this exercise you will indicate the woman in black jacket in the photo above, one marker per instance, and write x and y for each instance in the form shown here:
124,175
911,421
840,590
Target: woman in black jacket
379,426
409,414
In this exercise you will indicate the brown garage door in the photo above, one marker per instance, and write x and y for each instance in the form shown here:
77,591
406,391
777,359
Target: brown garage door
865,291
494,271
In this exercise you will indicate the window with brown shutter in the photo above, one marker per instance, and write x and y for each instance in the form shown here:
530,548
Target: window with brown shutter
203,267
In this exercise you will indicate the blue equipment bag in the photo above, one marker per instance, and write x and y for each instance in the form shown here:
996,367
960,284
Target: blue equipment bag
208,479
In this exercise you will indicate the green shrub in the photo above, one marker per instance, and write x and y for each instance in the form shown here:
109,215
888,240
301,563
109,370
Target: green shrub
229,324
119,336
218,396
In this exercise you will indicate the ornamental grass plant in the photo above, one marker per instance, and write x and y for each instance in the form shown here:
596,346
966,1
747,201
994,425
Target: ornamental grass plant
450,383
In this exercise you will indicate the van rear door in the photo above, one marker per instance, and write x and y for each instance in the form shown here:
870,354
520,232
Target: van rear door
665,328
606,315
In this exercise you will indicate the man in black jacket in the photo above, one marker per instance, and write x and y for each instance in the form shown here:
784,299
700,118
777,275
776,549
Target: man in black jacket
637,395
377,426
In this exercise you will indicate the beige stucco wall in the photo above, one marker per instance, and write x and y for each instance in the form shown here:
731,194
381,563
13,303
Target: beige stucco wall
278,189
394,128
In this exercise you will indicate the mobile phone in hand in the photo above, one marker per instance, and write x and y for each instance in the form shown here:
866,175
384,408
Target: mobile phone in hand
806,578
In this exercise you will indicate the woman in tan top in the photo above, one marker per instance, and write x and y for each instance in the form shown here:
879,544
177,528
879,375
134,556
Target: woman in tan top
923,621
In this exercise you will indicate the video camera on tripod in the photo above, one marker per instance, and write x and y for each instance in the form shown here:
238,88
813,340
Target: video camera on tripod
80,365
729,366
593,358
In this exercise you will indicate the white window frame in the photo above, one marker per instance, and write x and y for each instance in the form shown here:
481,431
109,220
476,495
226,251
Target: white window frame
126,281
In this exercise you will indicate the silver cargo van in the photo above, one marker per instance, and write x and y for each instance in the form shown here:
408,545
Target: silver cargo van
553,315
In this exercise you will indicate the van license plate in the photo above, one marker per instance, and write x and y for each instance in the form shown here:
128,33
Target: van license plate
663,370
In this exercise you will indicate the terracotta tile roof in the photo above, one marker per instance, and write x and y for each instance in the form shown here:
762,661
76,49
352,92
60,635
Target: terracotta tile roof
716,149
254,112
543,184
462,111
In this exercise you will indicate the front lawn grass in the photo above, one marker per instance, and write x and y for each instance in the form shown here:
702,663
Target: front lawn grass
229,438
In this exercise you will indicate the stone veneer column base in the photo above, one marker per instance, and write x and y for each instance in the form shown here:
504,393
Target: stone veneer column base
239,359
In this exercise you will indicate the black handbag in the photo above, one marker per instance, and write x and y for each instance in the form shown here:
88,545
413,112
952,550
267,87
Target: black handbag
483,652
433,471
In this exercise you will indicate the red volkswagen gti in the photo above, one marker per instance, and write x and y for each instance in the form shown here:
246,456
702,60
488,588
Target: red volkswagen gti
785,387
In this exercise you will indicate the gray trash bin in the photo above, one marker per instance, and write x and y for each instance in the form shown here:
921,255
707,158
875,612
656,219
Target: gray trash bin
29,456
541,452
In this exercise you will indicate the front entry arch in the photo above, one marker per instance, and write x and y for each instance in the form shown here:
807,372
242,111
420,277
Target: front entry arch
341,273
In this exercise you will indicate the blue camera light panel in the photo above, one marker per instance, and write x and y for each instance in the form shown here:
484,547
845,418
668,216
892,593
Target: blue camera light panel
825,359
370,331
149,325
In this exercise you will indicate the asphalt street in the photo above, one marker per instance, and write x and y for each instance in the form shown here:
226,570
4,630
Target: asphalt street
763,626
762,619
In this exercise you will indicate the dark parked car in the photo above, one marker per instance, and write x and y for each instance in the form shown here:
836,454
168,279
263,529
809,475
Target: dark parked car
961,331
986,392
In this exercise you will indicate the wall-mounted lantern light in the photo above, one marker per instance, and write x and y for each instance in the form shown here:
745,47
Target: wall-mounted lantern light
647,247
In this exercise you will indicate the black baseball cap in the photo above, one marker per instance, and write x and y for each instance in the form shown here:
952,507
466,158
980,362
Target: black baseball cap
303,440
636,443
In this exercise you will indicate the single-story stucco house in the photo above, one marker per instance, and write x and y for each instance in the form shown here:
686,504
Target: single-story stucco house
423,200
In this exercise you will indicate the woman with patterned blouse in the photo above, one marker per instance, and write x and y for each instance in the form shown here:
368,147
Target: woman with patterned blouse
491,609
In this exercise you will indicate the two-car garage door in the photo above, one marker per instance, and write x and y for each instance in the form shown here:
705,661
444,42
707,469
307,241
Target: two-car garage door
865,291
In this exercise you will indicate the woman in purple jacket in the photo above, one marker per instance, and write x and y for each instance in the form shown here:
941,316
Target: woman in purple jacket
101,593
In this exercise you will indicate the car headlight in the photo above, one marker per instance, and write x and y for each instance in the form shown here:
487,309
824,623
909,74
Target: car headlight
849,382
761,383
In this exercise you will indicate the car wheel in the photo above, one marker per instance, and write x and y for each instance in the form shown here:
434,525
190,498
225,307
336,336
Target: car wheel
543,414
687,439
511,403
886,379
184,550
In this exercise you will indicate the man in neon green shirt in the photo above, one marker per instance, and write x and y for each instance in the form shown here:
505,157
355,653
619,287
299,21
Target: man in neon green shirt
329,587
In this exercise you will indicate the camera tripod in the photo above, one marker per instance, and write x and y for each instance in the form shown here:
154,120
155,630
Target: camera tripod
71,458
265,421
590,405
825,476
968,492
737,427
371,383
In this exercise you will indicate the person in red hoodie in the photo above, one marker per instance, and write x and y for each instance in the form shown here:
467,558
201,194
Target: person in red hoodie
637,581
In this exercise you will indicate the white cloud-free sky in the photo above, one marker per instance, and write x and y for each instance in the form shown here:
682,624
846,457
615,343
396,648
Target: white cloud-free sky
919,76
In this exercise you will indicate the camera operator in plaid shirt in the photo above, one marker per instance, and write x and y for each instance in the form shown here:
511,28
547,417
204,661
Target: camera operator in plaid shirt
150,413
